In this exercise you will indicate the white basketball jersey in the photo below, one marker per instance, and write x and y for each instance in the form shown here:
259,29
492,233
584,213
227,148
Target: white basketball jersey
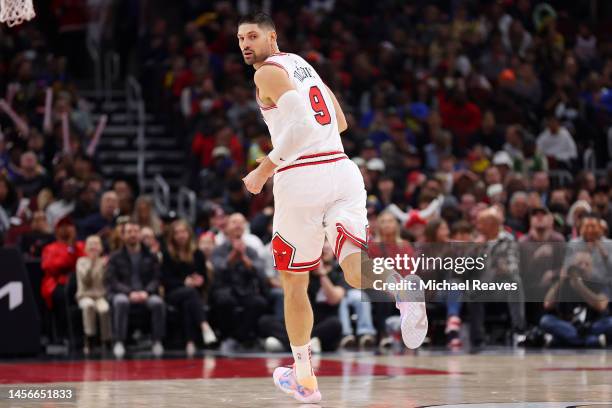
310,86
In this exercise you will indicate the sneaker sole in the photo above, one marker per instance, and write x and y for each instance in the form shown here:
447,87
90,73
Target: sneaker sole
414,324
312,399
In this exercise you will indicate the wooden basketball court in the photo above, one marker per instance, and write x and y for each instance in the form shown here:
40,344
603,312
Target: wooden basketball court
499,378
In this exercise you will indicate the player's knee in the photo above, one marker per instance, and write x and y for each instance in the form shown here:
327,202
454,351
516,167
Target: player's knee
294,284
351,266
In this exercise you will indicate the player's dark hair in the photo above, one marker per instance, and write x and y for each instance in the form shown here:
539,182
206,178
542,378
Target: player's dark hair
261,19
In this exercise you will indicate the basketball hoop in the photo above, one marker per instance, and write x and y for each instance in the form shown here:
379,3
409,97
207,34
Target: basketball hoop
14,12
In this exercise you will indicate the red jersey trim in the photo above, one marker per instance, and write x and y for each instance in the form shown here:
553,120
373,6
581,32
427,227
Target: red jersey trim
310,156
262,106
311,163
343,234
276,64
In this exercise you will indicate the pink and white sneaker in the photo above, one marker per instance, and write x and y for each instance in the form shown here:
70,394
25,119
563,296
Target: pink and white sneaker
411,305
286,380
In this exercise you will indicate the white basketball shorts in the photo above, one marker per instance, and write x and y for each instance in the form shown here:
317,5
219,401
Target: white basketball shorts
316,196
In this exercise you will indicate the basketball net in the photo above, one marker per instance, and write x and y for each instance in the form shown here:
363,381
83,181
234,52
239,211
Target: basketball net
14,12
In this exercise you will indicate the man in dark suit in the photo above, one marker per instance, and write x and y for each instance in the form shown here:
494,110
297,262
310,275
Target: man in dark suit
133,279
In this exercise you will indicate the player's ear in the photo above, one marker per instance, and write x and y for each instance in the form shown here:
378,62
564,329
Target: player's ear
272,36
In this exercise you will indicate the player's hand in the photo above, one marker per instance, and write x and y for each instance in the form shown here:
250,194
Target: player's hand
254,181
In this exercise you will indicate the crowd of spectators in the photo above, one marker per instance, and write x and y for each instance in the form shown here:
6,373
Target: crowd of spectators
474,121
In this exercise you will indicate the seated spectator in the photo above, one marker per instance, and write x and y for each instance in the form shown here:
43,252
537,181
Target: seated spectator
132,277
437,236
557,143
239,293
577,304
574,217
531,160
87,200
540,183
206,244
183,276
125,196
502,264
601,204
249,239
33,241
65,203
115,240
592,241
102,222
148,239
58,263
32,176
462,231
518,213
91,292
145,214
541,252
325,291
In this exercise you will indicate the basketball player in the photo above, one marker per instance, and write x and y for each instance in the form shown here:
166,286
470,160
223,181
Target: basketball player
318,192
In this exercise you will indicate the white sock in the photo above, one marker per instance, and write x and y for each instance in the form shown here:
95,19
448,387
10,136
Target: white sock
302,356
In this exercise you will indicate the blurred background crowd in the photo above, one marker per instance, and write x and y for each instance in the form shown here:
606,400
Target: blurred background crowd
471,121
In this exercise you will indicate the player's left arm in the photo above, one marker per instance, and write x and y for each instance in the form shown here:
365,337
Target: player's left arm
342,124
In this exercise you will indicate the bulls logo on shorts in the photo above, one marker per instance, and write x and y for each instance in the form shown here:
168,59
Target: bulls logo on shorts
283,253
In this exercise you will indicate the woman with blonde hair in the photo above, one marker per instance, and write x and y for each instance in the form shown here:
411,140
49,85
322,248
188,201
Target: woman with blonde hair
90,293
183,275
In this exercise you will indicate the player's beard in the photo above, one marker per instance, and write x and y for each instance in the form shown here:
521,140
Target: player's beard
252,60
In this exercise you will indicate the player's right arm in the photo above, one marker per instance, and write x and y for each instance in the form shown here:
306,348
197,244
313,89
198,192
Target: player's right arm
342,125
299,123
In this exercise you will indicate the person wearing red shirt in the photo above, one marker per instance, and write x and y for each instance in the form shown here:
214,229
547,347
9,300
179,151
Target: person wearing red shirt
460,116
202,146
59,260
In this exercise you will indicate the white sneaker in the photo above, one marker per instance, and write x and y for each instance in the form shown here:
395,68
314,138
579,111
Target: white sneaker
386,343
518,339
273,345
602,340
119,350
348,342
190,349
208,335
413,314
548,339
315,345
158,349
